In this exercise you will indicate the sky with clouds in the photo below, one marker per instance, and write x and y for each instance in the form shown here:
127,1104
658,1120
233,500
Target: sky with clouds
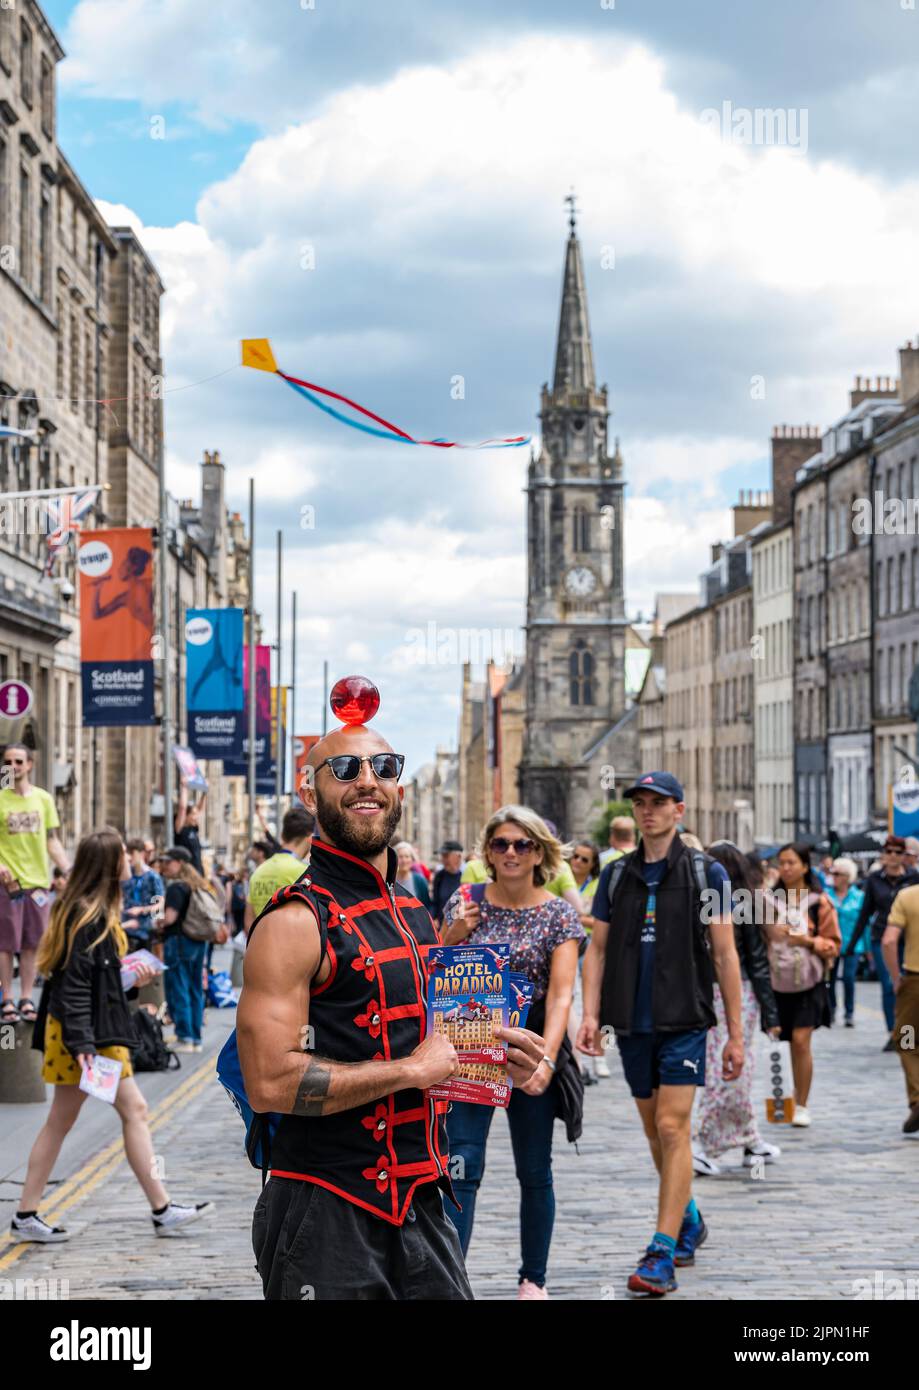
378,188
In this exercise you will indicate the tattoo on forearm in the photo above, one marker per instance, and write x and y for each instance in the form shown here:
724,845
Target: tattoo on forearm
313,1088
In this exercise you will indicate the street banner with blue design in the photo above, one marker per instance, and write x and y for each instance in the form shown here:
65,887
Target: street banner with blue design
214,682
264,762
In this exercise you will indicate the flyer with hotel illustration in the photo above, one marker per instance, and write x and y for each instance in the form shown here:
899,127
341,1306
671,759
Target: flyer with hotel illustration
468,997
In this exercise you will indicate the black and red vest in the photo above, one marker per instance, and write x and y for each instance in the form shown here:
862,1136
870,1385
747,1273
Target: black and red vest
372,1007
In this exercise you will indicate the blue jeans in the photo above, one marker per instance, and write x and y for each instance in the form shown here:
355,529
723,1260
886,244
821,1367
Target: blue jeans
531,1120
849,966
182,982
889,999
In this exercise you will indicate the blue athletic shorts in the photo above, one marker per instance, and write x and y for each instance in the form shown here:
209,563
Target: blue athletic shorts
650,1060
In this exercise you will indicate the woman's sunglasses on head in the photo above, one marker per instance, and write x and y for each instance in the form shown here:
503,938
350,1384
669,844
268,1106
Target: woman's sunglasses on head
346,767
500,845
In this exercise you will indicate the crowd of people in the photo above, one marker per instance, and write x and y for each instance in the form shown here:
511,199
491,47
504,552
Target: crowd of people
677,955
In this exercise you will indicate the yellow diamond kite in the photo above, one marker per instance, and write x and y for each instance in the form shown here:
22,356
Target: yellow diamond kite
257,353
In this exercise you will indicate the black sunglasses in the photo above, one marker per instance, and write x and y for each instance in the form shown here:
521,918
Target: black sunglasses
520,846
346,767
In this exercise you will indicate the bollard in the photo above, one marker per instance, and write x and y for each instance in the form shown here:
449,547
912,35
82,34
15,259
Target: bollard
20,1066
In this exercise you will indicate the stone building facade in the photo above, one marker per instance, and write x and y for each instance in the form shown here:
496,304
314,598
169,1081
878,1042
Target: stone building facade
773,792
491,733
80,325
732,690
773,618
689,730
848,636
895,546
56,255
809,551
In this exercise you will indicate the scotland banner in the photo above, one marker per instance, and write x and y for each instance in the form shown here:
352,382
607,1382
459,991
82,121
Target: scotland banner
214,681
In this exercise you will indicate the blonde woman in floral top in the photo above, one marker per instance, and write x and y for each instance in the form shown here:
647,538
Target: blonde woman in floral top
543,934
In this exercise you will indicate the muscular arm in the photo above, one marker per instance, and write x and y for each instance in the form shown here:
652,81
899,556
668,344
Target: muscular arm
272,1023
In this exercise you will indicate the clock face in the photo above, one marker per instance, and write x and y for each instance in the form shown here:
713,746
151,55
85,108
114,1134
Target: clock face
580,581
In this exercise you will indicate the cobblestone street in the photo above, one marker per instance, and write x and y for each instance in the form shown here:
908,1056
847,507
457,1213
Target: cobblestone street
830,1212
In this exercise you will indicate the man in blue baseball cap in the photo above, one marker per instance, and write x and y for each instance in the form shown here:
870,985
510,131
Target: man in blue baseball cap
661,935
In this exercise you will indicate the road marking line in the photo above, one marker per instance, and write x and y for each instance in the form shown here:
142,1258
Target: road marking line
82,1183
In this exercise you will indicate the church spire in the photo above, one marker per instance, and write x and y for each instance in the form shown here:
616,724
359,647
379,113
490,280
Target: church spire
574,360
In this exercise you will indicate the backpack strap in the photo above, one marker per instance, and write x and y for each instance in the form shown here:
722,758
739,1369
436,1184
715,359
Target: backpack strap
699,867
615,878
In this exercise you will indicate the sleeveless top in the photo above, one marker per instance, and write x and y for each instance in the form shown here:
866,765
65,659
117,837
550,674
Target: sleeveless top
372,1007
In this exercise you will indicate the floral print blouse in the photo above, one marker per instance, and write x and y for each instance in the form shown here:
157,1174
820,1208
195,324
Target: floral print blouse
532,933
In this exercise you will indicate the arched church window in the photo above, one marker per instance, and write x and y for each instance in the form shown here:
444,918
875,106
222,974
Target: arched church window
581,673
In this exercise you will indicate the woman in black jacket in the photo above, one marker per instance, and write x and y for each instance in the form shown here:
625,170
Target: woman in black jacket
726,1116
84,1012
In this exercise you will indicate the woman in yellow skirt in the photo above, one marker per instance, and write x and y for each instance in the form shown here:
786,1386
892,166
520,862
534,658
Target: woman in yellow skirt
83,1014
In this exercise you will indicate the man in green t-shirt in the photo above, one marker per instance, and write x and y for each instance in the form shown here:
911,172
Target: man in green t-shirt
284,867
28,843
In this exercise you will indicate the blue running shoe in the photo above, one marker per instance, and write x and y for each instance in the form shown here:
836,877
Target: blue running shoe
655,1273
692,1234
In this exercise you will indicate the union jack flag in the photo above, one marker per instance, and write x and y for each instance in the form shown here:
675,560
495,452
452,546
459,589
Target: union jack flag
64,516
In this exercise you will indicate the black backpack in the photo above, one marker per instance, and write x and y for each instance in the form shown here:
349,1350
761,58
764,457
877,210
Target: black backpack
150,1052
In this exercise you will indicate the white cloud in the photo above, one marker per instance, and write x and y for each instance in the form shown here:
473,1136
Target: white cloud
432,204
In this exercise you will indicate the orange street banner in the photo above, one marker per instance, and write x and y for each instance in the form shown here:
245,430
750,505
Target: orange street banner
116,626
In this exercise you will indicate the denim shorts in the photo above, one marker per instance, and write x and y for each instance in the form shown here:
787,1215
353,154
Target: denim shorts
650,1060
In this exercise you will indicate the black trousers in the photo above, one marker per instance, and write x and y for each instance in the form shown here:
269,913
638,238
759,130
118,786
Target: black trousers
311,1244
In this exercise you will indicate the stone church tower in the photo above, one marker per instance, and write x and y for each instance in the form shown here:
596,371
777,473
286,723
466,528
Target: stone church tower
577,726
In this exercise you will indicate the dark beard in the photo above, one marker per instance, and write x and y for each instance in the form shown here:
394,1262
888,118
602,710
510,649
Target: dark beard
366,840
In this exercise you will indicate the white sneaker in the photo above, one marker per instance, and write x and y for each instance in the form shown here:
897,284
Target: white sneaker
526,1289
602,1068
175,1215
702,1164
197,1047
801,1117
33,1228
184,1047
768,1152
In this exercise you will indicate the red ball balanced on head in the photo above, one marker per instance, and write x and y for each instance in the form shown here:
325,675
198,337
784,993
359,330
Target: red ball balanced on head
354,699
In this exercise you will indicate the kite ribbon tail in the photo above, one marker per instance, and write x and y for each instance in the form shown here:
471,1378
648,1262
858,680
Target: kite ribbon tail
324,391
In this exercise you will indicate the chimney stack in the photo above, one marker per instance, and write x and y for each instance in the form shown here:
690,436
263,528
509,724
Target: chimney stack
792,445
909,371
882,388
